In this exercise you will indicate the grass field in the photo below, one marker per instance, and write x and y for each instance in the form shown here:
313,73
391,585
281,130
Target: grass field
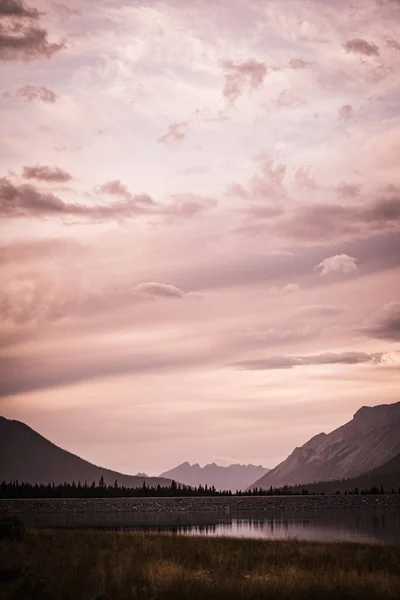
94,565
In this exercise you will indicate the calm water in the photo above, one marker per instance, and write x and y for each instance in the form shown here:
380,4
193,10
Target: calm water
378,523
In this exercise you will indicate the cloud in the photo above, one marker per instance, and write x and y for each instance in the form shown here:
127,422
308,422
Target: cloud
159,289
184,206
299,63
385,323
289,362
317,310
237,75
303,179
176,133
25,42
291,288
116,188
360,46
392,43
65,11
53,370
46,173
268,183
346,112
288,98
341,263
319,222
348,190
41,93
17,8
26,201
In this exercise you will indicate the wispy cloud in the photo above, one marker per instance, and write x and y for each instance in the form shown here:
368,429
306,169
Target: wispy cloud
33,92
46,173
237,75
176,133
328,358
385,323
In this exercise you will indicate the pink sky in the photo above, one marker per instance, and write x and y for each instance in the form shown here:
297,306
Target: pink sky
200,224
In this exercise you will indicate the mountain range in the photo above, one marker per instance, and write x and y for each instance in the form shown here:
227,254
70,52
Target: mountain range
27,456
363,453
233,477
368,441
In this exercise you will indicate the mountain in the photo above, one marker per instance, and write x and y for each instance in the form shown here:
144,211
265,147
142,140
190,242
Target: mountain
27,456
386,476
235,477
369,440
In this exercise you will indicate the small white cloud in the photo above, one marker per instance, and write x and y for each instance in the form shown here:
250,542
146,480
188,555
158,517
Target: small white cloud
341,263
291,287
159,289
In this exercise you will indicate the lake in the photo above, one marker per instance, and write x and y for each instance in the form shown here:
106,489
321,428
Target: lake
373,519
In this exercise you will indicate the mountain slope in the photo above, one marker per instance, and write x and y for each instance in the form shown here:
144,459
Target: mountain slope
234,477
386,476
369,440
27,456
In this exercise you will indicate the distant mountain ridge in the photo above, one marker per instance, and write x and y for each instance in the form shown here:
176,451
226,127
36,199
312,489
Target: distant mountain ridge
369,440
233,477
27,456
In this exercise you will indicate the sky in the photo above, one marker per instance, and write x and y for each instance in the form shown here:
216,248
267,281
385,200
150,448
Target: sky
199,224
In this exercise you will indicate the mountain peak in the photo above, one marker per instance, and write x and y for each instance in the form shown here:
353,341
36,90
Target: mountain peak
367,441
380,412
232,477
32,458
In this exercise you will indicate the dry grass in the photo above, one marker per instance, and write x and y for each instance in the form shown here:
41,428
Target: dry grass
94,565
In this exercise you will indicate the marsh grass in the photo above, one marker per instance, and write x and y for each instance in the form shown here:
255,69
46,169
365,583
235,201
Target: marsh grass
94,565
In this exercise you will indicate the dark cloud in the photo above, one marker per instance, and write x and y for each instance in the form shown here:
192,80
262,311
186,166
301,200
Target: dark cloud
27,201
360,46
385,324
20,38
321,221
33,92
17,8
328,358
21,42
237,75
46,173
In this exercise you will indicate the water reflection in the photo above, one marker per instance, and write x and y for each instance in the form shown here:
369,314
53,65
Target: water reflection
361,525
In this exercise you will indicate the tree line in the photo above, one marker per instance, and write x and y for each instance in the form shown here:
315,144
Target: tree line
16,489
